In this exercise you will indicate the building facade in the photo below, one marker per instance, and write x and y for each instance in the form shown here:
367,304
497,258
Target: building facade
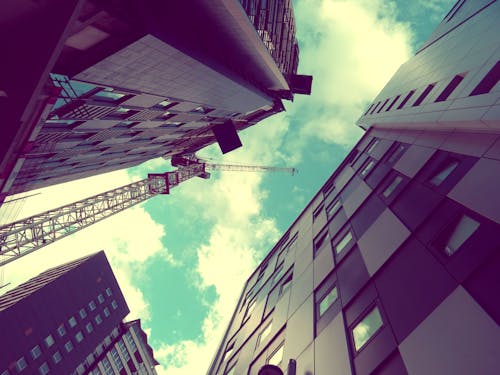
69,320
136,80
393,267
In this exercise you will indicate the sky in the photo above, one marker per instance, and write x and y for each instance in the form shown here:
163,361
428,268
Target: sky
181,260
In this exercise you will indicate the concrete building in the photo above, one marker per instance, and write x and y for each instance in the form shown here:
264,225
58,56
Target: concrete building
69,320
394,266
136,80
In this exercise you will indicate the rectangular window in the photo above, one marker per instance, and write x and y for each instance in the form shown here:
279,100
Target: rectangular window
203,110
392,103
98,319
317,212
265,333
61,330
49,341
488,82
392,186
107,95
459,232
366,328
68,346
343,242
89,327
43,369
367,168
57,357
79,336
450,88
424,94
374,108
326,301
396,152
320,241
165,104
287,282
114,305
405,100
92,305
100,298
106,312
368,110
35,352
250,308
383,105
371,146
109,293
333,208
21,364
277,357
443,172
229,351
83,313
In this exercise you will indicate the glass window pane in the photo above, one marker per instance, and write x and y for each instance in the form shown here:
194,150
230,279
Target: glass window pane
463,230
277,357
392,186
366,328
330,210
443,173
265,333
327,301
368,167
343,242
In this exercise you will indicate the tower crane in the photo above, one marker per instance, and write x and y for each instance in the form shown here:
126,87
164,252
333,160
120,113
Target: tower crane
30,234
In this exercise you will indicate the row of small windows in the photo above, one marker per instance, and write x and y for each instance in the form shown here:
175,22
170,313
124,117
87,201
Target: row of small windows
483,87
49,340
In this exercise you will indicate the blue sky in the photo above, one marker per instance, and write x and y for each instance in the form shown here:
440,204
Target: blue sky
182,259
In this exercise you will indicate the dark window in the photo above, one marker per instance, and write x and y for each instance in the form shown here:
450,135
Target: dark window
395,153
120,113
126,124
405,100
367,167
392,103
383,105
165,104
333,208
366,328
374,108
371,146
326,302
167,115
489,81
423,95
455,234
368,110
203,110
320,241
450,88
286,283
442,173
108,95
343,241
317,212
171,124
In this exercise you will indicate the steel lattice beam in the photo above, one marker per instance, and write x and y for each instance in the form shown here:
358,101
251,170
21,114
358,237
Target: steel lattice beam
27,235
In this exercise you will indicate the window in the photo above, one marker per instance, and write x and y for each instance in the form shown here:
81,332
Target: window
92,305
265,333
107,366
277,357
396,152
368,110
57,357
6,372
79,336
165,116
374,108
61,330
366,328
287,282
405,100
43,369
100,298
21,364
49,341
332,208
317,212
166,104
68,346
371,146
203,110
392,186
228,352
450,88
367,168
344,241
231,370
98,319
320,241
107,95
250,308
424,94
114,305
109,293
443,172
35,352
116,359
106,312
277,276
459,232
454,10
383,105
488,82
325,302
392,103
89,327
83,313
72,322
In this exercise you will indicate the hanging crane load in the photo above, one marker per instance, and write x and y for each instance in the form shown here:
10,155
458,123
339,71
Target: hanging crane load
30,234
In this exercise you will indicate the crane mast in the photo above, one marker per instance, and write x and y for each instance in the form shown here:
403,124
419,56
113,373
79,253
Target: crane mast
30,234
